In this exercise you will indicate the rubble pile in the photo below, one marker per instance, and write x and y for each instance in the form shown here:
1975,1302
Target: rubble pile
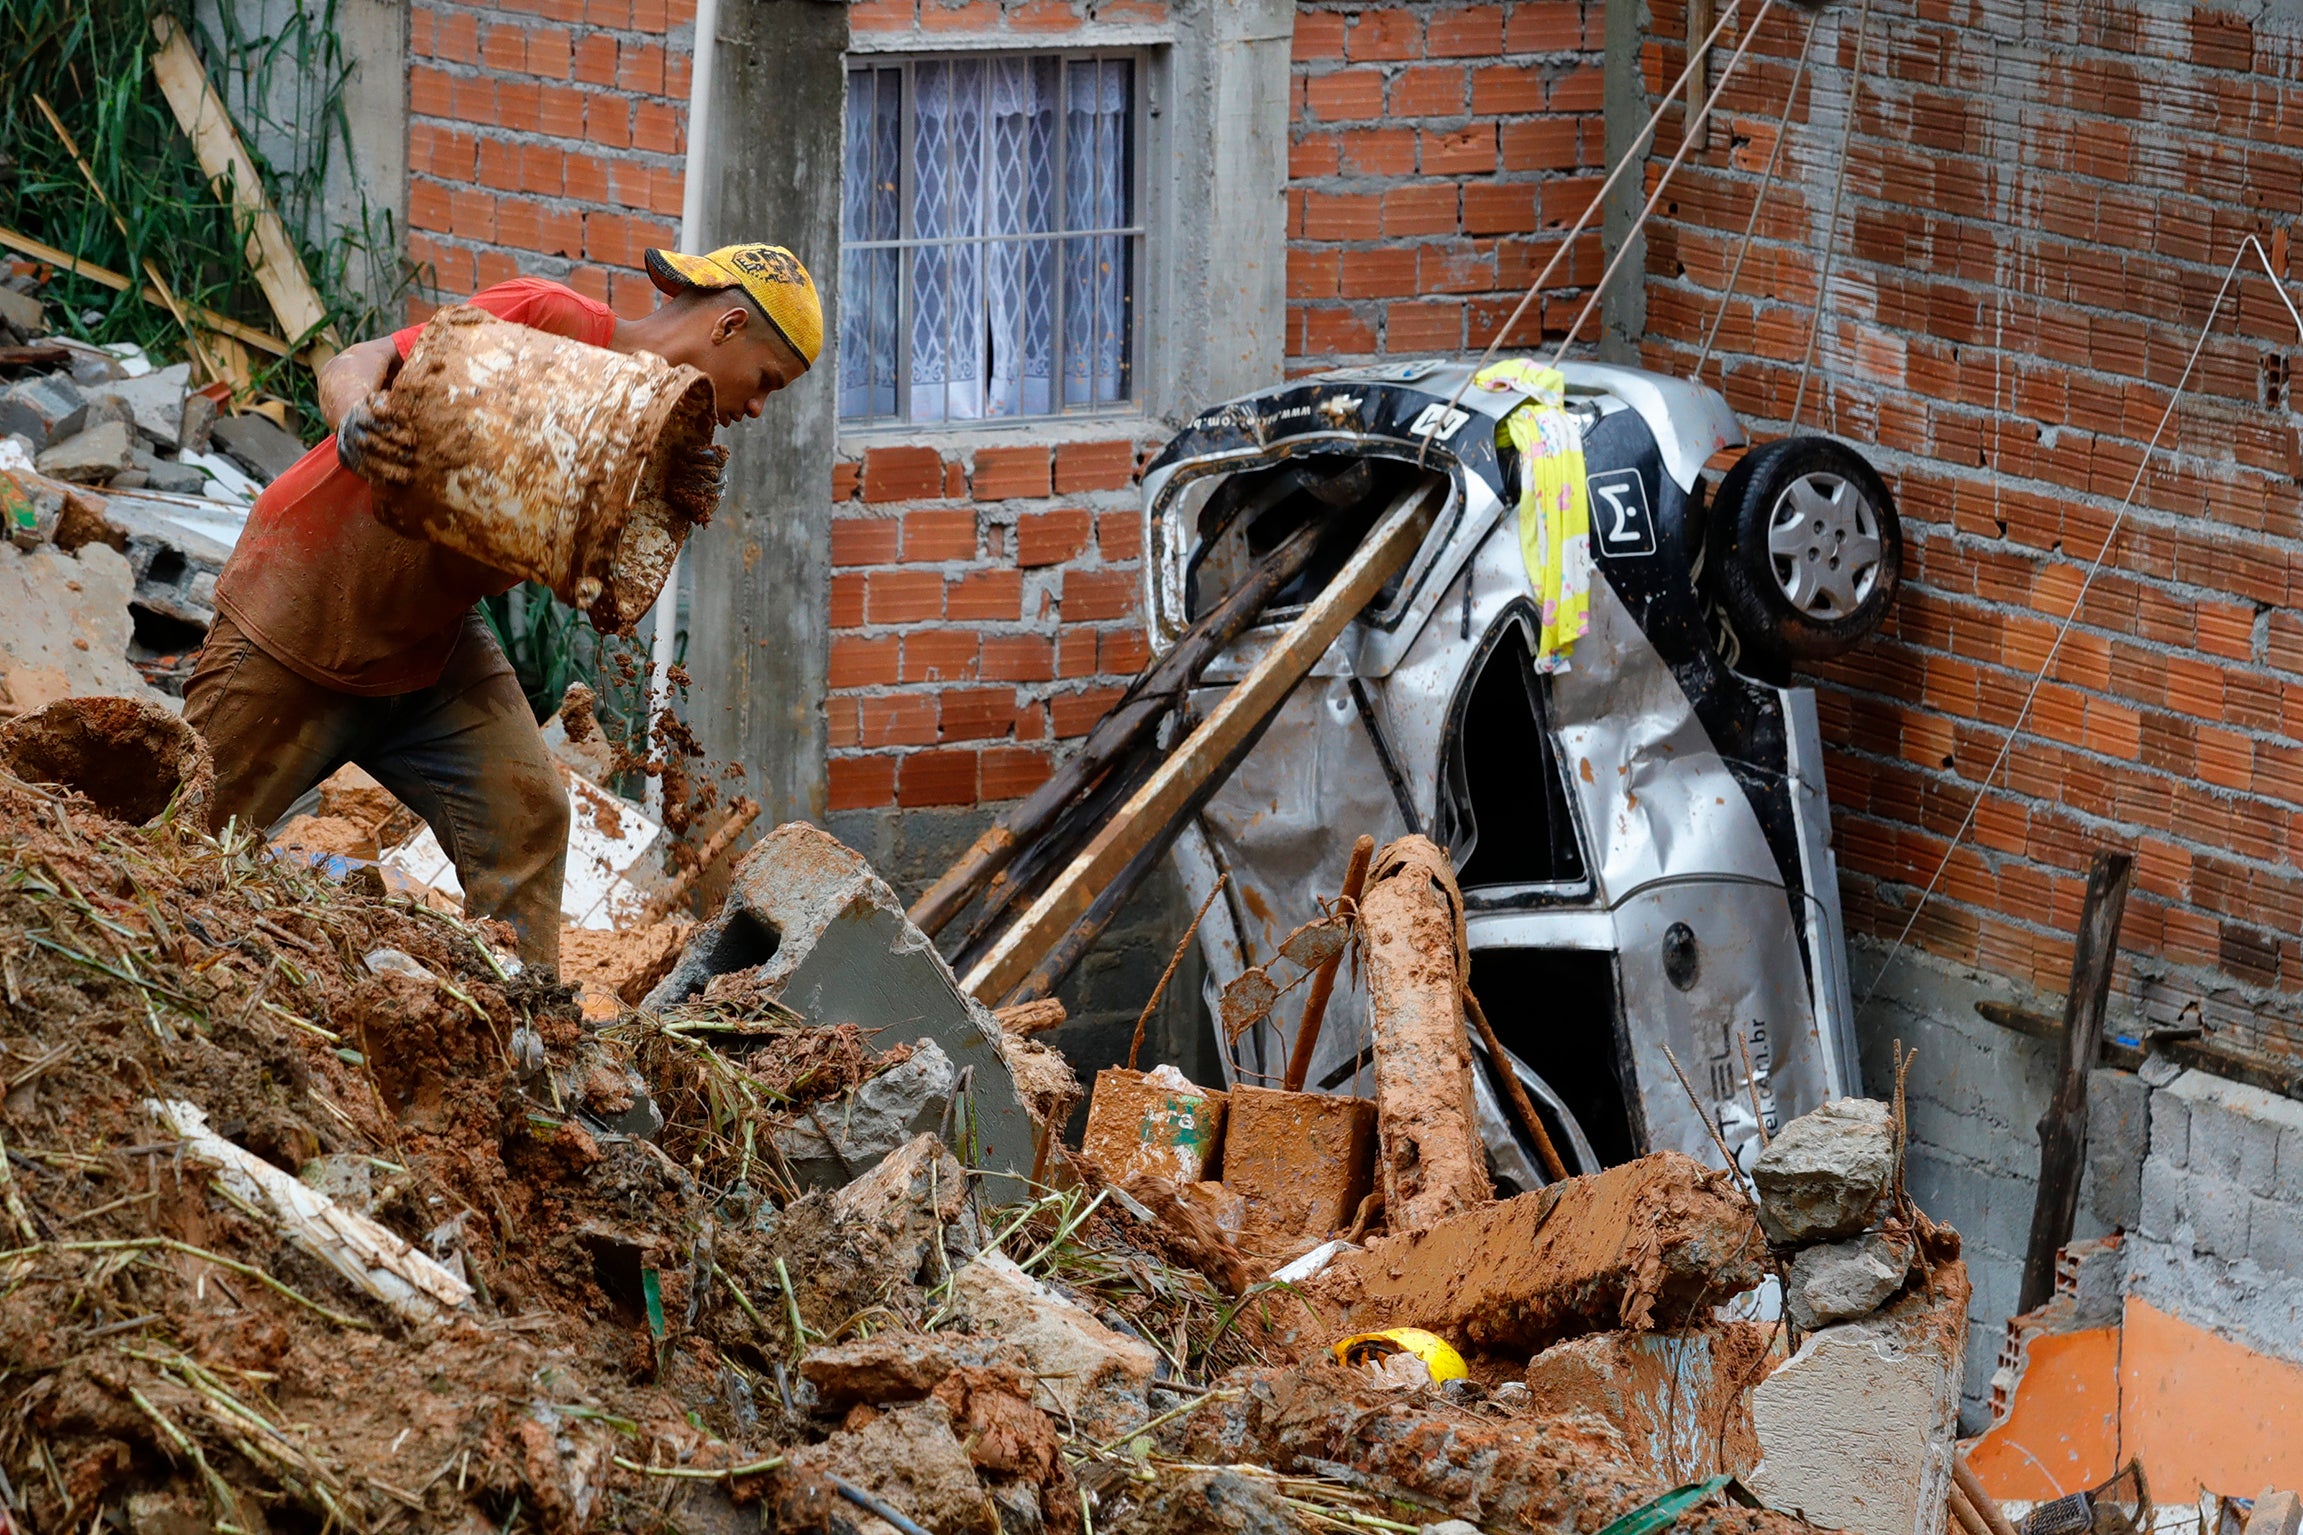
320,1214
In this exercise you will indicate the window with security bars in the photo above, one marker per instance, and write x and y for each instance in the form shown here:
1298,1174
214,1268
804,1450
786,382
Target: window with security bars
990,242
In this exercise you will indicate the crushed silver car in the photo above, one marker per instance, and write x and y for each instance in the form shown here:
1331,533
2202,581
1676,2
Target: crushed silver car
1642,839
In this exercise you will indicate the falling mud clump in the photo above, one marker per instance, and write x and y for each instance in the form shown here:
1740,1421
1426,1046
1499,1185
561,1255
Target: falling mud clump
626,963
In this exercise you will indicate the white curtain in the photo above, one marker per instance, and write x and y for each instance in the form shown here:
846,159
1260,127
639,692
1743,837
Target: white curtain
993,320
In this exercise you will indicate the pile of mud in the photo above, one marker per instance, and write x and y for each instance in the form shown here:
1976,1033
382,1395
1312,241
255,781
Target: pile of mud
663,1331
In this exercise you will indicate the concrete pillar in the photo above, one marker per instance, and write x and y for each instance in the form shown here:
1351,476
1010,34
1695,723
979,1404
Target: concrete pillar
757,645
1623,310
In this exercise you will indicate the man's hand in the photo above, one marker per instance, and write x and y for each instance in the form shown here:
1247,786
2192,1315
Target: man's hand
374,443
695,479
354,374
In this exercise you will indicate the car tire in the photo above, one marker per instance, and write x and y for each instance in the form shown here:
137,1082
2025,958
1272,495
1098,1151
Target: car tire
1806,551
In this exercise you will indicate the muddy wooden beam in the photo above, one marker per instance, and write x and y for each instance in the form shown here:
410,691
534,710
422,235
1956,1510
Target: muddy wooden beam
1153,693
1426,1117
1154,807
1651,1243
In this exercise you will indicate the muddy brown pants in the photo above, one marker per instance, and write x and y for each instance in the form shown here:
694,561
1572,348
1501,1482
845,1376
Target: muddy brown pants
464,753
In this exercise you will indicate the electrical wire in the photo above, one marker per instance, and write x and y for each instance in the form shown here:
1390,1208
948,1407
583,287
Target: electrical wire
1751,225
2118,520
1831,226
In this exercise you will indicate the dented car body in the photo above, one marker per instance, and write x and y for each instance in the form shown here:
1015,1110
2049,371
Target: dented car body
1642,839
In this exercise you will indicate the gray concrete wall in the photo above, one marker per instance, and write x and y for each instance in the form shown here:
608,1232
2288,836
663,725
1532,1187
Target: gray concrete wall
1112,981
1623,309
1975,1094
759,644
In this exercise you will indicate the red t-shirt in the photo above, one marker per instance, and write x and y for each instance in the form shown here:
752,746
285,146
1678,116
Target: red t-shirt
332,594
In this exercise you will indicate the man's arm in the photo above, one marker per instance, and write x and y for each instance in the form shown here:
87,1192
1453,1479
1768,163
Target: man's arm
354,374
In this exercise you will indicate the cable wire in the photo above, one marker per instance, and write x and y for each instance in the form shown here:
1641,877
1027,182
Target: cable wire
1751,225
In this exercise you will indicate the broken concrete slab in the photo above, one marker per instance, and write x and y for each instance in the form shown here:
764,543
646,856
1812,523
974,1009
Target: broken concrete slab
1825,1172
68,627
155,402
2275,1513
825,936
21,310
1411,931
1302,1161
1681,1399
1084,1369
265,450
1649,1243
90,457
909,1458
171,478
886,1367
915,1200
1840,1281
1857,1429
197,425
833,1144
44,408
1152,1124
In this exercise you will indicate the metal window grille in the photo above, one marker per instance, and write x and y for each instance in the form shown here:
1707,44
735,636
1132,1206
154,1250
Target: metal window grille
990,238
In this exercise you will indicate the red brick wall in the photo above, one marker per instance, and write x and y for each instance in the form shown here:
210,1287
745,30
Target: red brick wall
2040,216
1434,145
546,137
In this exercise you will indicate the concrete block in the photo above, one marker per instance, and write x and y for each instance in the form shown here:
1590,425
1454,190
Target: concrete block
1303,1161
1084,1370
2218,1217
2275,1513
155,402
2118,1133
2287,1174
1138,1123
2170,1130
2166,1199
2236,1128
2275,1235
838,1142
1856,1429
171,478
91,457
1840,1281
27,314
824,935
45,408
1825,1172
253,442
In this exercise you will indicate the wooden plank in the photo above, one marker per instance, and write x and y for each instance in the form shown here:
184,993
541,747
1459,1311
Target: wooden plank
2063,1128
207,319
279,270
1384,552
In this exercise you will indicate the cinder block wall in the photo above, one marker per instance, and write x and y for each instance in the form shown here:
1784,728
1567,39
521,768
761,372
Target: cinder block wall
1439,153
2041,200
547,138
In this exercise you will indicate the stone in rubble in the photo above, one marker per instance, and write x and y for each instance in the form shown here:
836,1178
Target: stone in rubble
1826,1173
155,402
257,445
886,1367
92,457
1084,1370
171,478
1216,1499
838,1142
824,935
21,310
45,408
198,423
1840,1281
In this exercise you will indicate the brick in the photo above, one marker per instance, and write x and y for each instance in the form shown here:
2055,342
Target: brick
1494,208
1010,772
1342,216
977,714
940,655
1472,31
1017,658
866,540
1319,36
1120,536
1386,35
902,719
1093,595
860,783
1385,272
1379,151
903,596
1459,151
1050,538
1432,90
1420,210
937,778
987,594
1499,90
939,536
1075,714
1347,95
902,474
1003,474
1544,26
1122,652
1086,466
859,662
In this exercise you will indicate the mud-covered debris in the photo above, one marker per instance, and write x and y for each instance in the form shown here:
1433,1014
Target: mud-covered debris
1840,1281
897,1366
1650,1243
832,1143
1207,1499
1680,1399
1084,1370
907,1456
1154,1124
1825,1173
132,759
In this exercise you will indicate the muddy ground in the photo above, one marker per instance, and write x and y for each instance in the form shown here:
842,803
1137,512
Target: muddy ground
656,1334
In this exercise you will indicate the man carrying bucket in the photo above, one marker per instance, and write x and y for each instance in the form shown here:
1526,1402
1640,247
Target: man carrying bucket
338,640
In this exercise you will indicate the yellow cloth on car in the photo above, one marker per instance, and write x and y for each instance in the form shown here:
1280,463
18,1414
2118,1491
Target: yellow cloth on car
1554,506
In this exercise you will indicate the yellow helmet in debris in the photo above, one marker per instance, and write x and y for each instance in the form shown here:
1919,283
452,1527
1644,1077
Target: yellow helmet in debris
1442,1361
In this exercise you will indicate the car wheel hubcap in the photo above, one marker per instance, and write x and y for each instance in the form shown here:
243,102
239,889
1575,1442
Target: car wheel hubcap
1823,545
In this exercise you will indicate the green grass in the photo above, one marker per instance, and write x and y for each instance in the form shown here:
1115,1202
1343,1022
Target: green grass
91,62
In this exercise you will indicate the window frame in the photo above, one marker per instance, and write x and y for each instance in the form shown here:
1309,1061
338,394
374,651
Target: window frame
1143,112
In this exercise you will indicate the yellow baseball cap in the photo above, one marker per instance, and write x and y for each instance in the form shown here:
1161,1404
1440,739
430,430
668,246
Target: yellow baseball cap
770,276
